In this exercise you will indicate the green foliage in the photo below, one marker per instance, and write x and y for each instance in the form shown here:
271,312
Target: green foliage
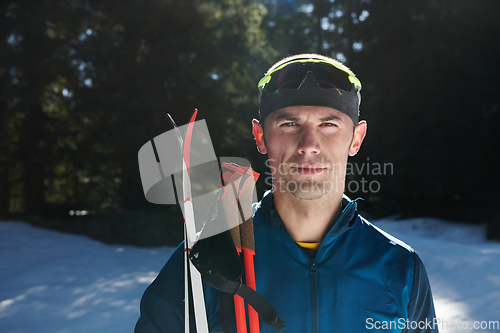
85,83
89,82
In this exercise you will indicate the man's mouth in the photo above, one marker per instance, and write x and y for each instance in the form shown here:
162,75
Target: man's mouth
308,169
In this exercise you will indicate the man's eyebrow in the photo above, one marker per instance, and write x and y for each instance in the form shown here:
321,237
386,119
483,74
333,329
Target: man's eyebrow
290,117
331,118
286,116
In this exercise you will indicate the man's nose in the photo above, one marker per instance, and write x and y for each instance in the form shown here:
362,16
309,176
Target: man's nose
308,141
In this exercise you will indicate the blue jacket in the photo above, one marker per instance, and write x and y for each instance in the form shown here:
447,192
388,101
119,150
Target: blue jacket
361,279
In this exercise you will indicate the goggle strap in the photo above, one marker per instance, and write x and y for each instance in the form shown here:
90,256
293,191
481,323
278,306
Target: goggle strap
355,80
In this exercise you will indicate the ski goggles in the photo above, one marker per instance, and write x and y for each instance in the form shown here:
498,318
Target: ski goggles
312,82
328,75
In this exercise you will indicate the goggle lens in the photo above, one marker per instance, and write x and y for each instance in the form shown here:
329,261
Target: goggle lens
291,77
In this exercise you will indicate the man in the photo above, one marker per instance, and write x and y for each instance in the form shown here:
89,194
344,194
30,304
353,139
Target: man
321,265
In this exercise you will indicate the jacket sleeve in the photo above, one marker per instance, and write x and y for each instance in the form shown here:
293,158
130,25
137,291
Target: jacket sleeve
421,313
162,305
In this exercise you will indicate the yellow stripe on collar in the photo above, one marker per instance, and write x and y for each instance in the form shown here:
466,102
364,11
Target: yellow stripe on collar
310,246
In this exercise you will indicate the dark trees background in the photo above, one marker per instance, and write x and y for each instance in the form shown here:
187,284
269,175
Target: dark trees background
84,84
439,125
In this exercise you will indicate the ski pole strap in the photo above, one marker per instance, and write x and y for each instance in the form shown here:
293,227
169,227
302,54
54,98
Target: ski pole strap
226,312
259,303
220,266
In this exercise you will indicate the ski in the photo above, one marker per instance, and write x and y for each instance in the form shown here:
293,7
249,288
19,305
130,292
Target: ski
190,234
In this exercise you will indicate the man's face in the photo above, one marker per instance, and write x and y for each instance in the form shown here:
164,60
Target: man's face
307,148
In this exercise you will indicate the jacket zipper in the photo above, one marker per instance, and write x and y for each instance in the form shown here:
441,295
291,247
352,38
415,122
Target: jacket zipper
314,297
314,279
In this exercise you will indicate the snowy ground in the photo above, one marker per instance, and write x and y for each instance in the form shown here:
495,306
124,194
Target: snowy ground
463,268
58,283
52,282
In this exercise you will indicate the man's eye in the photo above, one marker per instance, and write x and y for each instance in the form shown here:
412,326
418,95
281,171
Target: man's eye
291,123
329,125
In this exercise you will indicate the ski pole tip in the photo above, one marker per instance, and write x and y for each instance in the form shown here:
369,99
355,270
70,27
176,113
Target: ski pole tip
172,122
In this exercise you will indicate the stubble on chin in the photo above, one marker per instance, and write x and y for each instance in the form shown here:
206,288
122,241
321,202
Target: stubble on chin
307,188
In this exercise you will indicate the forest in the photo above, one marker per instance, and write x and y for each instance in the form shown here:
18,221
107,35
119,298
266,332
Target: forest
85,83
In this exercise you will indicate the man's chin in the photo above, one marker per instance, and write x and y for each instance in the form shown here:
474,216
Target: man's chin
306,189
302,195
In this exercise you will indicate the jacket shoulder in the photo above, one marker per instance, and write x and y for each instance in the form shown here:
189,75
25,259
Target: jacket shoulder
378,234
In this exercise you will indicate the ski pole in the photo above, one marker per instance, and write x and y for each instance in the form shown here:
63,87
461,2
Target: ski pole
247,241
229,171
243,239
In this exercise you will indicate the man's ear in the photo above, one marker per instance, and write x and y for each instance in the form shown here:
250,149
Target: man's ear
258,134
357,140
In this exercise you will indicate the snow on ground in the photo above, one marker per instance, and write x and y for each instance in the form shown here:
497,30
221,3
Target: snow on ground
52,282
61,283
463,269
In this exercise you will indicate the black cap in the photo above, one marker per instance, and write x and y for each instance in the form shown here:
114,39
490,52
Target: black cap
310,93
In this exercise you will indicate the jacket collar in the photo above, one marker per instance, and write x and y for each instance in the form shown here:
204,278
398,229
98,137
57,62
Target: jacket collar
346,220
